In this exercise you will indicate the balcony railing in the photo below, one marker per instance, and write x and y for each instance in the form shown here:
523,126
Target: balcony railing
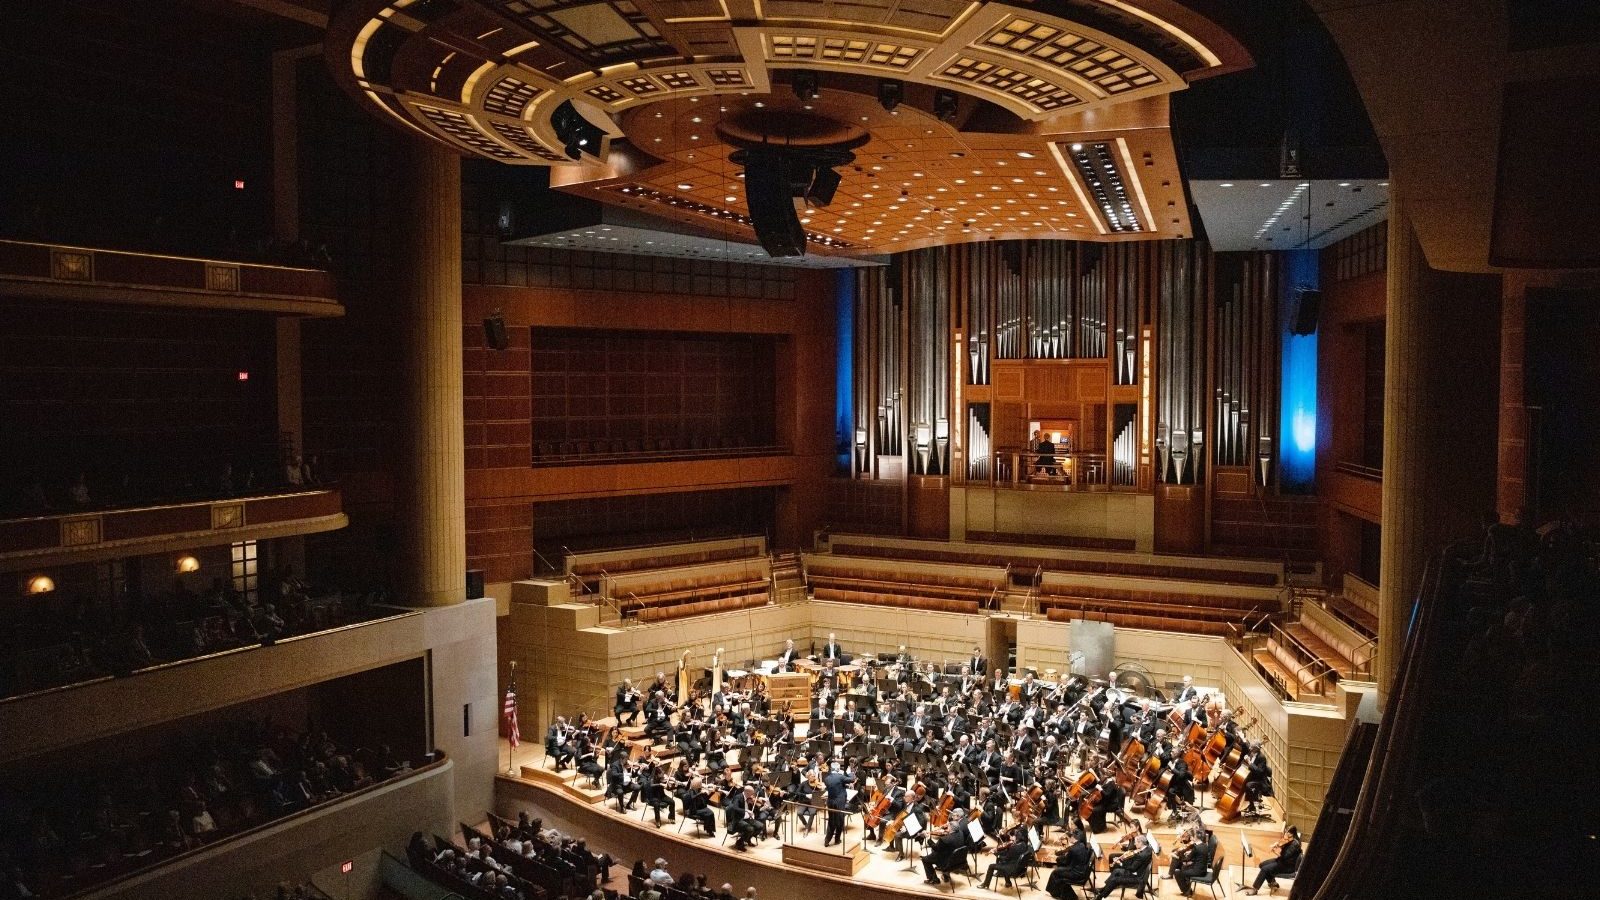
79,536
1017,468
96,275
567,454
1360,471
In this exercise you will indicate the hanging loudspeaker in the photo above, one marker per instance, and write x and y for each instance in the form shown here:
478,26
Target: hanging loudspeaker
494,332
1306,312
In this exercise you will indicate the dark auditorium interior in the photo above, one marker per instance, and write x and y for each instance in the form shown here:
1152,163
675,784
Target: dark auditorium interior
971,448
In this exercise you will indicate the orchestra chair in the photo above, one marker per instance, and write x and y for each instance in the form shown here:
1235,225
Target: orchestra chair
1144,876
1212,879
958,865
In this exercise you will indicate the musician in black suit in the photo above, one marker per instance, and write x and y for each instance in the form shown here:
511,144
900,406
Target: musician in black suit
1285,863
1072,870
744,818
557,742
1187,692
697,806
942,855
1195,861
1258,783
627,703
978,663
1011,859
832,650
838,785
1112,799
1129,870
787,657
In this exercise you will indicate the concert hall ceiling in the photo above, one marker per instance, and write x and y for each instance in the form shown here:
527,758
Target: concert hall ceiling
1060,126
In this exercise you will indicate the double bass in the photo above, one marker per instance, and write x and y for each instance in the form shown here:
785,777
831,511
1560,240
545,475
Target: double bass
1128,763
1232,799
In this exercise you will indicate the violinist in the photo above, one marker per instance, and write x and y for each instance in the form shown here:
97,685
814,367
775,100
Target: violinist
627,703
588,757
659,686
654,785
658,716
1011,857
688,740
944,852
746,810
557,742
1193,860
1072,870
1285,863
619,781
1130,867
697,805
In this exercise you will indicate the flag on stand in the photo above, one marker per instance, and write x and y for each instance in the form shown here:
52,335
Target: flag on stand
510,715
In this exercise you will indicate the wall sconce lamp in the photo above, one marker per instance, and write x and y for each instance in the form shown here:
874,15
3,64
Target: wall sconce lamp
187,564
41,584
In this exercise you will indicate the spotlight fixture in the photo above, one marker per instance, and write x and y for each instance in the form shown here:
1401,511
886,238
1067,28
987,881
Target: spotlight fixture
187,563
805,84
945,104
41,584
890,93
577,134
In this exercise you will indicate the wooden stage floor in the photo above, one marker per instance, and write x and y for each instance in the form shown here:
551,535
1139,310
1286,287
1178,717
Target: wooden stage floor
567,801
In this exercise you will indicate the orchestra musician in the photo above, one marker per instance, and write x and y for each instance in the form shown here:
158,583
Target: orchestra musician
557,742
1072,869
1130,867
1011,857
1288,851
747,817
627,702
1258,783
787,657
832,650
697,805
952,844
1193,860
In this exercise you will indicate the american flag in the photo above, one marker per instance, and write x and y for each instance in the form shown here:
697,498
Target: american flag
510,715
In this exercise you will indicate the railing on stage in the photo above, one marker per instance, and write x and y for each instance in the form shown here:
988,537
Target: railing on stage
1066,471
804,830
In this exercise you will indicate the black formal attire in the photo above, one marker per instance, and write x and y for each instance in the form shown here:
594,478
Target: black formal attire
838,785
786,660
557,745
1285,863
1112,799
1197,865
1072,871
834,651
697,806
657,798
627,702
1009,862
1130,872
944,853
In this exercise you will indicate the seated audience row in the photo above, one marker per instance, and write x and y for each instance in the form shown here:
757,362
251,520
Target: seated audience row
60,639
111,486
66,831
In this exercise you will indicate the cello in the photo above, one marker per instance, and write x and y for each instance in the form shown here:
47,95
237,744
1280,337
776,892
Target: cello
1085,792
913,797
1128,763
1232,799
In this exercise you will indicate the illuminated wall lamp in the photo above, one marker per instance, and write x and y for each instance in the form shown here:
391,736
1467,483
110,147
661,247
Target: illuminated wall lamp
187,564
41,584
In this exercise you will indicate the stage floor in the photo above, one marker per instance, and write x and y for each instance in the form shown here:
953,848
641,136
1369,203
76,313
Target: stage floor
883,868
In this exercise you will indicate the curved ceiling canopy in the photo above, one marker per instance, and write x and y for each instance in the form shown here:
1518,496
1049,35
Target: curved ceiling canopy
1074,90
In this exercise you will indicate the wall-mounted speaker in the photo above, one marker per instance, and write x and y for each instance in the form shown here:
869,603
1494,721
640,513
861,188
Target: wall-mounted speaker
474,584
1306,311
494,332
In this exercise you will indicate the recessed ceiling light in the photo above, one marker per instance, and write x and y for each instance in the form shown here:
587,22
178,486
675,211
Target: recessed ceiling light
1344,184
1077,147
730,198
1025,154
685,187
1226,184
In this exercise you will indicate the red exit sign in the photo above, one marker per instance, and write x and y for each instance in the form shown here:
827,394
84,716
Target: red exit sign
346,866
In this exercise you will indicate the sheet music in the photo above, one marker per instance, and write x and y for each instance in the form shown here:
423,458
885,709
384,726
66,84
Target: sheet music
975,831
912,826
1245,843
850,795
1033,839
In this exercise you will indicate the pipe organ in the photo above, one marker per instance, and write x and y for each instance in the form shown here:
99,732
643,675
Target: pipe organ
969,345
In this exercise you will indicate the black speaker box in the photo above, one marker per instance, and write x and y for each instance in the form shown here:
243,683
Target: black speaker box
494,332
474,584
769,195
1306,312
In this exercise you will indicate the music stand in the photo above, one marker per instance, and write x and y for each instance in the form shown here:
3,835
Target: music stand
1244,845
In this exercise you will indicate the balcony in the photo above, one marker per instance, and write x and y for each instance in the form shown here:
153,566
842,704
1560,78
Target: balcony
1031,470
86,536
89,275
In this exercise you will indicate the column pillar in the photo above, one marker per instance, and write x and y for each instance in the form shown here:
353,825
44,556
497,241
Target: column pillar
1441,380
1511,487
430,503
